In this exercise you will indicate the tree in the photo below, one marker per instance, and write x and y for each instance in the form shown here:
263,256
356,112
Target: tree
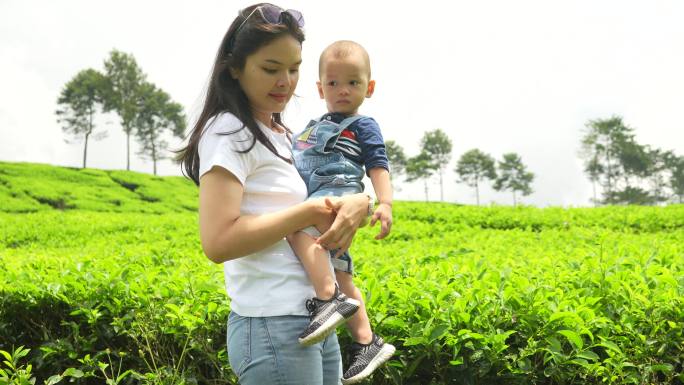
397,159
659,166
612,157
513,176
634,162
599,147
676,165
437,146
124,79
156,116
473,167
594,168
78,103
632,195
420,167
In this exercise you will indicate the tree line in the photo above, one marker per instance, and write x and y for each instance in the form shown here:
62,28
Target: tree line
473,168
626,171
146,111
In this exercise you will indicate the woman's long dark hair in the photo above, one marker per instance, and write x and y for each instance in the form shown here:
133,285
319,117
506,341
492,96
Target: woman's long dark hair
224,93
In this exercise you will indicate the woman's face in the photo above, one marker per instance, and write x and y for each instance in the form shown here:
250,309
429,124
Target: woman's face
270,76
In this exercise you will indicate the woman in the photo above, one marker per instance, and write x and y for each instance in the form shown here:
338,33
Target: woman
251,197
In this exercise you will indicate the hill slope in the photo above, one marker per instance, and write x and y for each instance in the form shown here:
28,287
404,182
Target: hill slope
28,187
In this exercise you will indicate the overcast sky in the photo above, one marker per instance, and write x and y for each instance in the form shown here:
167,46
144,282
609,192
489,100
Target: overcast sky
501,76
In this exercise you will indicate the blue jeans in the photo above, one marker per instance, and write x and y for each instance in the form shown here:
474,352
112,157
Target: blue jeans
265,350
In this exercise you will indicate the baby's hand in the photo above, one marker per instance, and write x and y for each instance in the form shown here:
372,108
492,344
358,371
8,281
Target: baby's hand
383,214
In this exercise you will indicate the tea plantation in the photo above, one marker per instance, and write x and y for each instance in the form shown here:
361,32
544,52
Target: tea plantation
103,281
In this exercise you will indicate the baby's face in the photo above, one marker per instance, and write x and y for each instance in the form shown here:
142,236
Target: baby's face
344,84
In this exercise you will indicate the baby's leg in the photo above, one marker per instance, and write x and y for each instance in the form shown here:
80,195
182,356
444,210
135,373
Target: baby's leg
358,324
316,262
369,350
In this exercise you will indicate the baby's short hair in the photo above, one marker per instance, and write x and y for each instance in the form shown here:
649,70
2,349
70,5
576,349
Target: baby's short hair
342,49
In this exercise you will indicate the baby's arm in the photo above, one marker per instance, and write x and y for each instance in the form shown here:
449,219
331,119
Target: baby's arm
383,190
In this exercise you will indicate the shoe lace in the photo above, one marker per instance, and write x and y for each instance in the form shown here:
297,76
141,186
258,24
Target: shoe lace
311,306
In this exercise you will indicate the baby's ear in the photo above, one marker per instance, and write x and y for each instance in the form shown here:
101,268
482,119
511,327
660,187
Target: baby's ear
371,88
320,89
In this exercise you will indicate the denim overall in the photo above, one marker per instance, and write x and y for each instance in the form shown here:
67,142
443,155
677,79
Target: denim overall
325,172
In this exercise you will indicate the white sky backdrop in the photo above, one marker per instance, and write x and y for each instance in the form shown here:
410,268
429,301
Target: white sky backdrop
501,76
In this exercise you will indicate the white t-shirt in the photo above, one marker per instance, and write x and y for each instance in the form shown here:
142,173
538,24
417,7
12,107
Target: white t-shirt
272,281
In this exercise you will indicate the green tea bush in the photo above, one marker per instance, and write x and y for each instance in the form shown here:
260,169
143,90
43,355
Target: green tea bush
26,187
103,293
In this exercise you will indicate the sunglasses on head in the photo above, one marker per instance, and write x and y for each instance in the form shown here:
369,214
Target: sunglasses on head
273,15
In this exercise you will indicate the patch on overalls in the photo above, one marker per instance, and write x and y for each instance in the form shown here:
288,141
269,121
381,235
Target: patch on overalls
307,138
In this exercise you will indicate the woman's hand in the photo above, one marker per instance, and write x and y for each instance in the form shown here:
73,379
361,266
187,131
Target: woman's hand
351,210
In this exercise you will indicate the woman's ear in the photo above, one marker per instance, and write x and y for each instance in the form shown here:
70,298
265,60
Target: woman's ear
234,73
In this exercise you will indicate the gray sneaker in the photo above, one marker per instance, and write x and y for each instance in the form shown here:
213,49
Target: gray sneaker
326,315
364,359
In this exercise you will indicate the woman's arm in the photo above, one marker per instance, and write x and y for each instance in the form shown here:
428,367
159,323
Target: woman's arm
226,235
351,210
